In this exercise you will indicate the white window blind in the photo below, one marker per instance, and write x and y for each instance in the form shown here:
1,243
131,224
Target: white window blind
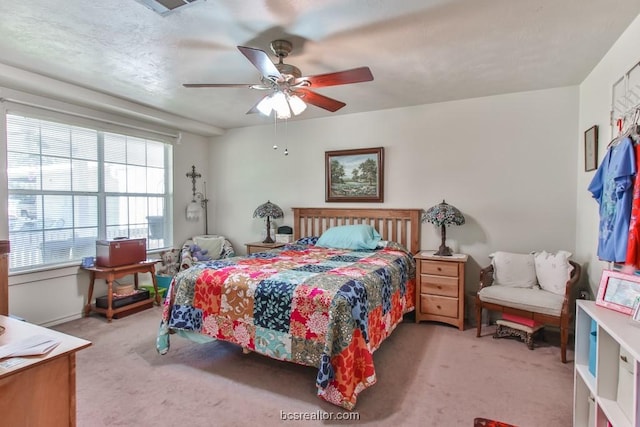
70,185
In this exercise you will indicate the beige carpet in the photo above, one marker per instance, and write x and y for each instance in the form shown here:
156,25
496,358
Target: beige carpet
428,374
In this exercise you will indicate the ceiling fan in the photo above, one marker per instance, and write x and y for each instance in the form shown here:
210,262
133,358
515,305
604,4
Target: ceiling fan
289,91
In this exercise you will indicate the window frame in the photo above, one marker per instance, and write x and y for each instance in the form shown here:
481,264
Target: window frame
101,194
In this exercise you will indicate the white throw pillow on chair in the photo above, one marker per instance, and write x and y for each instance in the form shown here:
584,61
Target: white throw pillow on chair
553,270
514,270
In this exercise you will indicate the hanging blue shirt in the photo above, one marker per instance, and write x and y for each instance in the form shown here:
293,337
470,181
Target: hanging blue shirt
612,187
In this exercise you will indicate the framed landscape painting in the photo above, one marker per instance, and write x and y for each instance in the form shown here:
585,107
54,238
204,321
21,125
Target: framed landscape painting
355,175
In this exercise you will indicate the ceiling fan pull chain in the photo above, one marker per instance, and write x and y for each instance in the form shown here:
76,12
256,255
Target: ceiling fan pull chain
286,137
275,132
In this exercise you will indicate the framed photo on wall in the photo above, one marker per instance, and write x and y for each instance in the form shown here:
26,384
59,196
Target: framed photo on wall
591,149
355,175
618,291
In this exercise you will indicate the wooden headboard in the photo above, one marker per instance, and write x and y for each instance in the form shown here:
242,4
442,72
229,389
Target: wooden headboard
400,225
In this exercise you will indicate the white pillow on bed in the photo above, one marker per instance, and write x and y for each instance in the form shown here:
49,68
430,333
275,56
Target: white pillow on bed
213,244
357,236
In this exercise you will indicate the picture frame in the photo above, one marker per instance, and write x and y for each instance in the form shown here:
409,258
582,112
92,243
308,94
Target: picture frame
618,291
636,311
355,175
591,148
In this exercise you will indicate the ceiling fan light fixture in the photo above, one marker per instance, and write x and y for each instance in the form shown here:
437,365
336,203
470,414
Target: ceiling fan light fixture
297,104
265,106
280,105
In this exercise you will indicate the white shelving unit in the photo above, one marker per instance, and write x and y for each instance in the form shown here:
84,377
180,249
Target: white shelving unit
611,396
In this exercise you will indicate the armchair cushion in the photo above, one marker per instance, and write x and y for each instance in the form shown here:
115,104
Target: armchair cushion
528,299
514,270
553,270
211,244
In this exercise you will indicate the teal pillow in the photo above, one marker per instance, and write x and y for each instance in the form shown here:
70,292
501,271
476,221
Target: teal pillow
359,236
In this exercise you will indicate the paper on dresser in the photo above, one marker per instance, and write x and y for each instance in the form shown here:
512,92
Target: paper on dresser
35,345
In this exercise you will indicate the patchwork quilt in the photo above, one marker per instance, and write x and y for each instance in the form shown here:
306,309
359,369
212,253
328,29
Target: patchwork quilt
327,308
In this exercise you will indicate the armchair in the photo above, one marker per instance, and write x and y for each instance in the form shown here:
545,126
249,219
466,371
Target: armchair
547,306
217,247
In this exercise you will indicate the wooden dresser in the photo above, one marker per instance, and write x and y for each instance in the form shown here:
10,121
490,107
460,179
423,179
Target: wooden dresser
40,390
440,288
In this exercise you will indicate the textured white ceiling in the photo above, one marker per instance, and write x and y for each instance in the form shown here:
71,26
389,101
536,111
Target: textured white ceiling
419,51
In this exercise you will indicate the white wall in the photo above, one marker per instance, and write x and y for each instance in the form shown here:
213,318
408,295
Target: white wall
507,162
595,105
57,295
193,150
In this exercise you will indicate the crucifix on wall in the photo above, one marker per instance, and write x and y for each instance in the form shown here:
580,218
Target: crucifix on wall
198,201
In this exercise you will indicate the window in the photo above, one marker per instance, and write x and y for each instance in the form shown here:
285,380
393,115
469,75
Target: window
70,185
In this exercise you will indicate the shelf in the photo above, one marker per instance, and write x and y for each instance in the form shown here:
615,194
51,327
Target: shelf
614,414
145,303
585,375
614,387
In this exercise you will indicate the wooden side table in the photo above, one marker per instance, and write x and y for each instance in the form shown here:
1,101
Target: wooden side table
440,288
261,247
38,390
109,274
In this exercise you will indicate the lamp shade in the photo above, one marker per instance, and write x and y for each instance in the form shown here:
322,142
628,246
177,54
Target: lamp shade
443,215
194,211
268,210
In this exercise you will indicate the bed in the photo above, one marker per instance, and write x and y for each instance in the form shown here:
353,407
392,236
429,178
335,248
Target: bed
325,307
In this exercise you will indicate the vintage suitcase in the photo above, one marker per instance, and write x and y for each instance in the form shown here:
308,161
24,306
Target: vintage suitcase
117,252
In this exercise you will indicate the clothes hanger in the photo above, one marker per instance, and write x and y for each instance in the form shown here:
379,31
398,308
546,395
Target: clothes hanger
633,130
620,137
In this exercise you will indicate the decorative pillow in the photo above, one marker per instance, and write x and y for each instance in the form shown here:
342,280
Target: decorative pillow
212,244
553,270
307,240
515,270
357,236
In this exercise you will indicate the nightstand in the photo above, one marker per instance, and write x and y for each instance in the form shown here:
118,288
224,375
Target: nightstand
440,288
261,247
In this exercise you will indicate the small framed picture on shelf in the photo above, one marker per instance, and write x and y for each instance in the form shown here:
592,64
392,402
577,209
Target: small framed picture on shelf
591,149
619,291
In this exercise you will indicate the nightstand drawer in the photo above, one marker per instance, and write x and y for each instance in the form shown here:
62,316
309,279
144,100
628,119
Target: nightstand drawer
441,306
440,268
439,285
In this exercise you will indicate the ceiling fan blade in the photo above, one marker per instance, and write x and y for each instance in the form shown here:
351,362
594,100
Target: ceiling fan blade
245,85
355,75
261,61
321,101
